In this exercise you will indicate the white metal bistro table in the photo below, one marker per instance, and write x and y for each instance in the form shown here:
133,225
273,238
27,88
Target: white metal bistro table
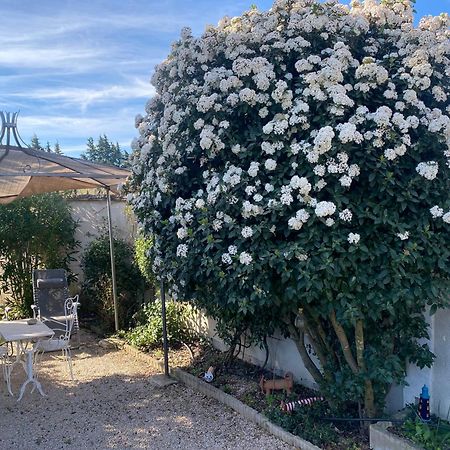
23,334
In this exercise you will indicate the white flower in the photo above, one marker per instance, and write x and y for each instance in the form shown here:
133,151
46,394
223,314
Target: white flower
319,170
245,258
353,238
182,250
247,232
329,222
324,209
300,218
428,170
345,181
295,223
446,217
270,164
257,197
301,184
269,187
353,170
250,189
217,224
436,212
232,249
390,154
253,170
403,236
226,258
199,124
346,215
199,203
322,142
182,233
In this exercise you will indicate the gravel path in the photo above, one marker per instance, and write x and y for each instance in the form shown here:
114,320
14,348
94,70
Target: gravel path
113,405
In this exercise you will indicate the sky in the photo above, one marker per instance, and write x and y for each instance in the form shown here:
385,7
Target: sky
77,69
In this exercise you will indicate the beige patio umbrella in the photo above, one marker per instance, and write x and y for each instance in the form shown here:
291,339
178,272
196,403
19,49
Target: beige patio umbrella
25,171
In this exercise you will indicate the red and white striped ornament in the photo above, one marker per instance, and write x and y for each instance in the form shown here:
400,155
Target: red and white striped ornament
290,406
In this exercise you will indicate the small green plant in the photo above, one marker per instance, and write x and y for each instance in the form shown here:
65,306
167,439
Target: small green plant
304,421
148,334
433,436
227,389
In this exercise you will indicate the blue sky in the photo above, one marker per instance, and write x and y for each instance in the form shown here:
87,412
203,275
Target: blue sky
77,68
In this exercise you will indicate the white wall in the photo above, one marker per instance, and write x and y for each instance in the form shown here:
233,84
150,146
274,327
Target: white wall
440,378
284,357
92,218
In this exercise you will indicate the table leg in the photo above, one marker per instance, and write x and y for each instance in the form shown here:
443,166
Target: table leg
30,375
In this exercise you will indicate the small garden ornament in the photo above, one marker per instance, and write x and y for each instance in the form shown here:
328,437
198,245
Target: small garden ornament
290,406
209,375
424,404
286,383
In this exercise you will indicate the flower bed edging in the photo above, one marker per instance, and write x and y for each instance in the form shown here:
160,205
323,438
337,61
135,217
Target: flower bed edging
213,392
382,439
243,409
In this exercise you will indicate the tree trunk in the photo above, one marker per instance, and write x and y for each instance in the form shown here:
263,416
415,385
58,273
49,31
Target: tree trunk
298,336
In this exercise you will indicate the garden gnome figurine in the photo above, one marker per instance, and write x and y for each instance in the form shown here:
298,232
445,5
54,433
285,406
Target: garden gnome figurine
209,375
424,404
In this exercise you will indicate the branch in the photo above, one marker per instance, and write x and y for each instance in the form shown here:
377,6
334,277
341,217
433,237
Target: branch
359,340
340,333
299,340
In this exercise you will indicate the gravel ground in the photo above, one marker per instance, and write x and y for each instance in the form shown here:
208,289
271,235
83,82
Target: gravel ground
113,405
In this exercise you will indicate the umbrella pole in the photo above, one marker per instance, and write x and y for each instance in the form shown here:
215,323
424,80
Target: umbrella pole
164,324
113,265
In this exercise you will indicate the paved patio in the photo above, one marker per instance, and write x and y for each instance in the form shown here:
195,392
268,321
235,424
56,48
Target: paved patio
114,405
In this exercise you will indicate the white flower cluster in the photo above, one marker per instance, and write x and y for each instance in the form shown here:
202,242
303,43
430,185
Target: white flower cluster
300,218
353,238
237,131
428,170
324,209
247,232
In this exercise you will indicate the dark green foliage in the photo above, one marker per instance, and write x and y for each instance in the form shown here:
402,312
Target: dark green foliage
434,436
141,246
97,287
35,232
35,143
105,152
304,421
148,334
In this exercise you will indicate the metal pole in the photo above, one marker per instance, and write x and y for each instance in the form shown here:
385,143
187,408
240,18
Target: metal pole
164,324
113,265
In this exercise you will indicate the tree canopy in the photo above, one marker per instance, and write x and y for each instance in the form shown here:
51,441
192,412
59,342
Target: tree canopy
106,152
293,172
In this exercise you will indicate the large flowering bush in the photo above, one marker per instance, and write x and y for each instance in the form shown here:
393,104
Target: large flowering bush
293,170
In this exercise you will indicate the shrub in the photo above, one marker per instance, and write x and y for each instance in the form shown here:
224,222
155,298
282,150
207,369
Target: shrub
35,232
148,334
293,172
97,287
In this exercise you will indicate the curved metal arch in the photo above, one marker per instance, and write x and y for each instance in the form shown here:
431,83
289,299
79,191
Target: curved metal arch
9,129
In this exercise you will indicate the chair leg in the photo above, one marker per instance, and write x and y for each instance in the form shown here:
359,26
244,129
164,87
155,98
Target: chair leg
6,366
69,362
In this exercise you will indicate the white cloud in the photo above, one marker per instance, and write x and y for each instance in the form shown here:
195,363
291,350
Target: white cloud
76,59
73,126
83,97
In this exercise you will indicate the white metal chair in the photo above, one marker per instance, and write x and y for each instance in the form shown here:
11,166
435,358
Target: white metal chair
6,352
62,342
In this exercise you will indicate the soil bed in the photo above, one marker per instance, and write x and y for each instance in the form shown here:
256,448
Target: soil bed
241,380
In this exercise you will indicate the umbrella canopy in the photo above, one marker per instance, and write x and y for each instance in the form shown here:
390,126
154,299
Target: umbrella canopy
25,171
